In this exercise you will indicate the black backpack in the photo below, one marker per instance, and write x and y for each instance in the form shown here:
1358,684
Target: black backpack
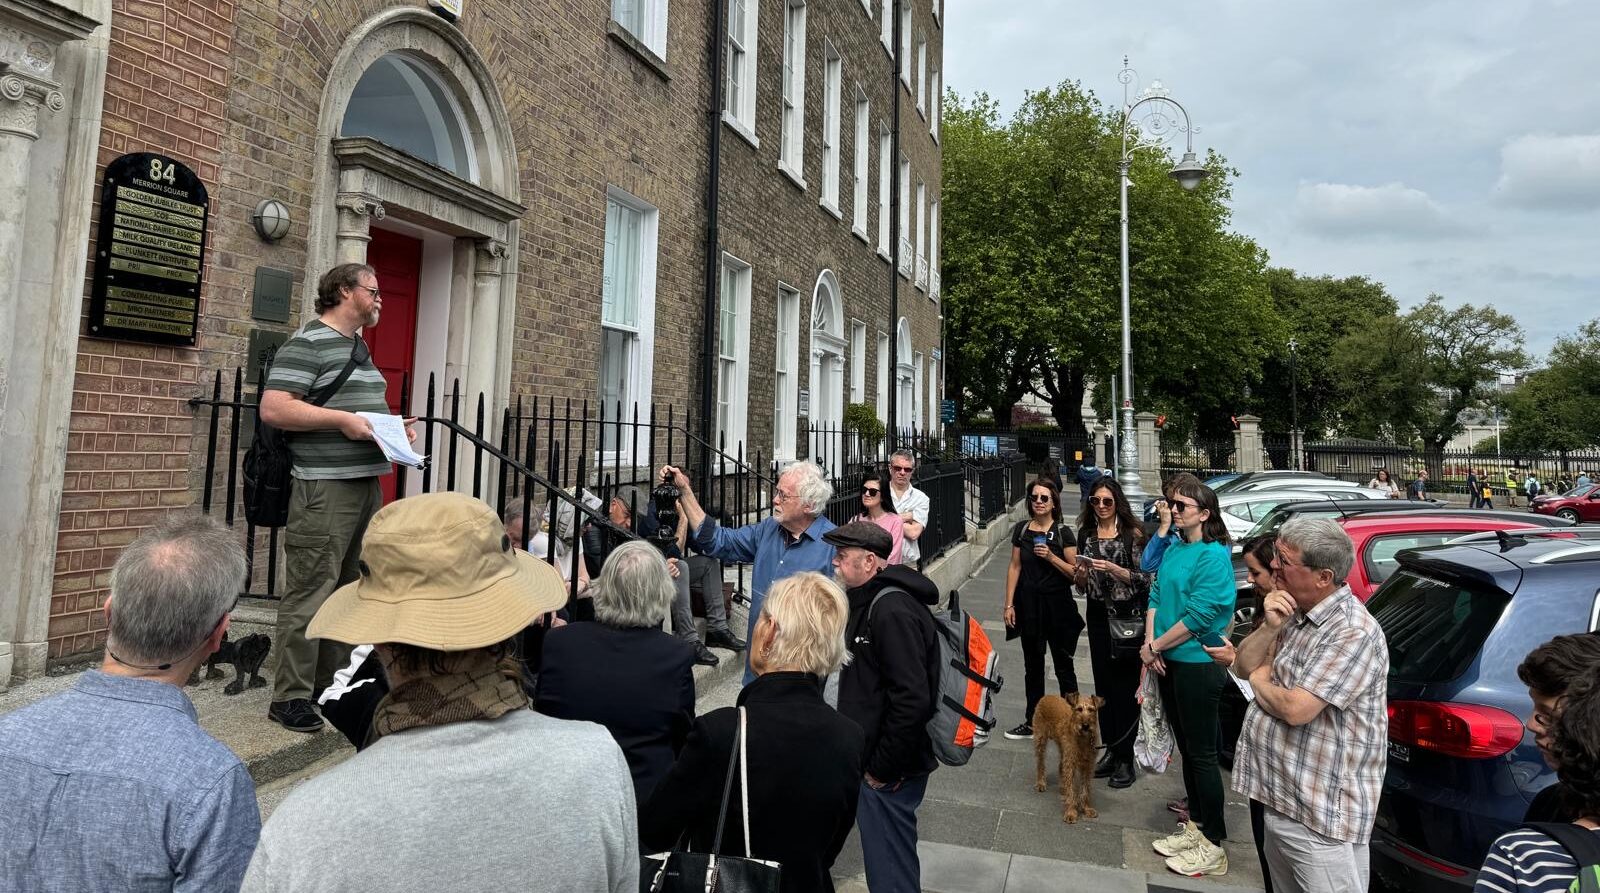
1584,847
267,464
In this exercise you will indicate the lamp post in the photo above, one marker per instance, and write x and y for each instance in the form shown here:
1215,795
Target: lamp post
1294,402
1157,127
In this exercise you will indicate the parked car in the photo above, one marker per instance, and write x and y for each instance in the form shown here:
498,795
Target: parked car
1326,486
1245,479
1241,510
1458,619
1379,538
1576,505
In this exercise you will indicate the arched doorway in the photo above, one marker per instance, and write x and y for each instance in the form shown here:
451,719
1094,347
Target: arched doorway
827,372
419,178
905,379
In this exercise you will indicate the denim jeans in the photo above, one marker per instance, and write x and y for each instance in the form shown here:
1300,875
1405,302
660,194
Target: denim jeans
887,820
704,573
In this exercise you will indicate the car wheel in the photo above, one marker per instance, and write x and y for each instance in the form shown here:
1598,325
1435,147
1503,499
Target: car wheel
1569,514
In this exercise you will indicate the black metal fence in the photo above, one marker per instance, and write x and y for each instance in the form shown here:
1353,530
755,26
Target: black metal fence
1201,457
1359,461
566,459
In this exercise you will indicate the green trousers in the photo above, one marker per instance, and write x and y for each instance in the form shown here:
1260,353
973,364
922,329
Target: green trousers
1190,693
321,552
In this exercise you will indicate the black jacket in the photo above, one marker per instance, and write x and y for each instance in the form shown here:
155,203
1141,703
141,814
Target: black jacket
892,678
638,683
805,775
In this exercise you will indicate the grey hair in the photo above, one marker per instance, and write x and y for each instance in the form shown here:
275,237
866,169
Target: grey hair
511,511
905,454
812,489
635,588
809,612
1322,544
170,588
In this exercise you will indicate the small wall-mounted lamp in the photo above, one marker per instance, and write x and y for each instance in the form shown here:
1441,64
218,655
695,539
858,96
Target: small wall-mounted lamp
270,219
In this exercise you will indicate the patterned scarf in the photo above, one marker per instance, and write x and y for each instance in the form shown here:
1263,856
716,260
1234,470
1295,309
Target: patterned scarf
477,686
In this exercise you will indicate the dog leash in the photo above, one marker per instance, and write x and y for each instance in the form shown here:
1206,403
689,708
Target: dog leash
1131,729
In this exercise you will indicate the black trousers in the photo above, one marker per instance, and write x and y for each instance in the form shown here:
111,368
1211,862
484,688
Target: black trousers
1058,631
1116,679
1189,696
1258,820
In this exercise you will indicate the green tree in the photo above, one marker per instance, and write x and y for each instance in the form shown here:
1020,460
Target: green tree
1383,374
1032,266
1465,350
1558,407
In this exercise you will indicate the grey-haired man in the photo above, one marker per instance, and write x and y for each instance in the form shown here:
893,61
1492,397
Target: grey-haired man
112,784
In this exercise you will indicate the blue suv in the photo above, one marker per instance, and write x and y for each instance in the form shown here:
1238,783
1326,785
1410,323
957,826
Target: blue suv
1459,618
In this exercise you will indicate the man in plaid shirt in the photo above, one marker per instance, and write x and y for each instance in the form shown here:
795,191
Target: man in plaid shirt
1314,747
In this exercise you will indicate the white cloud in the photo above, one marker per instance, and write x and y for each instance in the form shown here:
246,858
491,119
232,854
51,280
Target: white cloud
1340,209
1551,172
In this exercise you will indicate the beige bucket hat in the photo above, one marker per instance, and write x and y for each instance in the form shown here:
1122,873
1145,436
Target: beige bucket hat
438,571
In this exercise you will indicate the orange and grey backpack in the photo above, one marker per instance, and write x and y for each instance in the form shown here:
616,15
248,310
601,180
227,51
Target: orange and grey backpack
968,681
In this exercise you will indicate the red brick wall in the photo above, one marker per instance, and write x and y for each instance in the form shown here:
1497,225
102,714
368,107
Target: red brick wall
128,450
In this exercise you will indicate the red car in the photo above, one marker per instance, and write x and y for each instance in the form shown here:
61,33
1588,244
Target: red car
1379,537
1576,505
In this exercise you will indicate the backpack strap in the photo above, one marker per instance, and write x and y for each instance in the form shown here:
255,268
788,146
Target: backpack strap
325,394
1581,843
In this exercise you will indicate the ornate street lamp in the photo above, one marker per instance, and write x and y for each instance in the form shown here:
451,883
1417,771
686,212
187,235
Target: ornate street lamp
1161,117
1294,401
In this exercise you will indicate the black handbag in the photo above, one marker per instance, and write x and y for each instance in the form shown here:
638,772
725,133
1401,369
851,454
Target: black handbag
682,871
1127,630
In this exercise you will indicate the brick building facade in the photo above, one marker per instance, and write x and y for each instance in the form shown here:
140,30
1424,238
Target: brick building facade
531,179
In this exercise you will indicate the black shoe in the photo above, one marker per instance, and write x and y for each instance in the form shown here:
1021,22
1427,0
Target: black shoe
704,657
1025,730
296,715
1122,775
723,638
1106,766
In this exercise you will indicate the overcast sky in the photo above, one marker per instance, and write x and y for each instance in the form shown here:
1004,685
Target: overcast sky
1449,147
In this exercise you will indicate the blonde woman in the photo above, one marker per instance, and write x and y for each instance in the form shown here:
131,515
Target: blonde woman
804,758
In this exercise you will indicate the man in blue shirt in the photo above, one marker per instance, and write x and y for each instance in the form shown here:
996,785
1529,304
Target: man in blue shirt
112,784
788,541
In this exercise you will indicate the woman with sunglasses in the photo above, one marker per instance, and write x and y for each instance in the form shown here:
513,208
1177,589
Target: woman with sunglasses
1039,605
1165,534
1109,541
877,506
1190,605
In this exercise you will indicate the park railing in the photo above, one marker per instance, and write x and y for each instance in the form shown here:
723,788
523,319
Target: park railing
1359,461
566,459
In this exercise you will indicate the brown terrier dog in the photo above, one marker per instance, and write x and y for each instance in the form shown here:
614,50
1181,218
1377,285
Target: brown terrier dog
1073,723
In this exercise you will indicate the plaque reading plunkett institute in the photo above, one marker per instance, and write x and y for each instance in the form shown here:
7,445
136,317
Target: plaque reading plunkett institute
149,251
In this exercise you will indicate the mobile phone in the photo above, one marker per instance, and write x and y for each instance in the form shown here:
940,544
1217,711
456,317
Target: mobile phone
1086,562
1210,640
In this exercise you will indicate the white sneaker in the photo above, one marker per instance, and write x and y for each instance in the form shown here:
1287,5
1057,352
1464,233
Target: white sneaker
1187,838
1204,858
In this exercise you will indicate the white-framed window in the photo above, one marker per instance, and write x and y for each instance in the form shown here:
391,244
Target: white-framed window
733,353
905,389
883,377
644,19
792,143
858,196
832,84
907,255
905,42
922,73
858,361
919,235
740,99
627,317
937,10
786,380
935,102
933,393
916,391
885,35
884,148
933,248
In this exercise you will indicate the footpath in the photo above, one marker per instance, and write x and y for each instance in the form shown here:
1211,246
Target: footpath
982,827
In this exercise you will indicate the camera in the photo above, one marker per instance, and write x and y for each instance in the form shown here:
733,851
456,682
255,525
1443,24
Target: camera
665,500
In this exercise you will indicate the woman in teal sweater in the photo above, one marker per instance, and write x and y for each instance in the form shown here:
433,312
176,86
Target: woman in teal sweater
1191,602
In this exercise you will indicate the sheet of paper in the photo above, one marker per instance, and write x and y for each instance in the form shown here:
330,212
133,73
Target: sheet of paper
1244,687
389,432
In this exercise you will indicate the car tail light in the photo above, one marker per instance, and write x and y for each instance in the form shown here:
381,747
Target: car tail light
1469,731
1429,861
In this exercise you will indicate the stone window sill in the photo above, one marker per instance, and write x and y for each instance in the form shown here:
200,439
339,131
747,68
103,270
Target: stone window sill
794,176
636,46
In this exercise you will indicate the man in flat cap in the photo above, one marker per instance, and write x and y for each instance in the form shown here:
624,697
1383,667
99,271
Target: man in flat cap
461,783
888,688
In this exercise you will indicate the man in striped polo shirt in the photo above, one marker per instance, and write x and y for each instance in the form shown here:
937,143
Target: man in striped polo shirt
336,470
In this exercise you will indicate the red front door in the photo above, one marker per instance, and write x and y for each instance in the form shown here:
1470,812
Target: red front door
398,260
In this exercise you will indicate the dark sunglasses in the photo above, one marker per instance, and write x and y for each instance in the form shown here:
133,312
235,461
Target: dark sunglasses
1040,497
1179,506
1102,500
870,491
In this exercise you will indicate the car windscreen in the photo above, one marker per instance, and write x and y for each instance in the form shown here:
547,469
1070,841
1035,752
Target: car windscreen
1277,516
1434,628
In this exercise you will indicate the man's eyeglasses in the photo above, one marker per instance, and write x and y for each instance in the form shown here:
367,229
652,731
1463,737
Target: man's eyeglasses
870,491
781,496
1102,500
372,290
900,469
1040,497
